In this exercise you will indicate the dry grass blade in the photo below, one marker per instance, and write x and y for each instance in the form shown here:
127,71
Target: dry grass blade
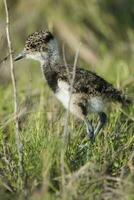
70,95
65,63
5,185
65,134
17,134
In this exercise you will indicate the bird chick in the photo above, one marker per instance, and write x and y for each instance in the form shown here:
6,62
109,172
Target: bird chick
90,92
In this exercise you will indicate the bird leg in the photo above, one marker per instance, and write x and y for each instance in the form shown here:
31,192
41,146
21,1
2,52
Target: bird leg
101,123
90,129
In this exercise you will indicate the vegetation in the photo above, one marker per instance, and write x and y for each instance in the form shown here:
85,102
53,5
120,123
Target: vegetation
71,169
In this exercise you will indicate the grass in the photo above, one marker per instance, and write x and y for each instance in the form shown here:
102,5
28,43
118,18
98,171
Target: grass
77,169
52,169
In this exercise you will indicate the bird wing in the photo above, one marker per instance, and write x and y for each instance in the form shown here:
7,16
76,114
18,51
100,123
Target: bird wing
90,83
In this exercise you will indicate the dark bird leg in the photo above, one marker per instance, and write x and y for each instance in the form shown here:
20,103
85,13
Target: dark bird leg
90,129
101,123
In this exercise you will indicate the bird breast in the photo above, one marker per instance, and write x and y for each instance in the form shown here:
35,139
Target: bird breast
63,93
94,104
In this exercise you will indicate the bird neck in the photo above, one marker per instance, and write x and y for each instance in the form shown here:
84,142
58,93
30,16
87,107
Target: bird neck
51,57
50,62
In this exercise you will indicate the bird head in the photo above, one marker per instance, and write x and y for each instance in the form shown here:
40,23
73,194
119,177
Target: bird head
40,46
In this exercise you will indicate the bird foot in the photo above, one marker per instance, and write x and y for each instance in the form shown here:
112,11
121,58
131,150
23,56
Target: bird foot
90,130
90,135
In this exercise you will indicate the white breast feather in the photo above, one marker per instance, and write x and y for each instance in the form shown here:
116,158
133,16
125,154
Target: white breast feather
63,93
95,104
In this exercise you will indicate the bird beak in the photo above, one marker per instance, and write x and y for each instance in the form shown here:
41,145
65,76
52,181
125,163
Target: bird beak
20,56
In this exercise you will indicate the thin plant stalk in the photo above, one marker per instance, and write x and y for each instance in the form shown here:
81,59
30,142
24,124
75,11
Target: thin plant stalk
17,133
65,133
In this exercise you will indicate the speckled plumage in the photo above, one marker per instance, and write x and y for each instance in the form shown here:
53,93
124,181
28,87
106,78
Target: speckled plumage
86,82
90,92
37,41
